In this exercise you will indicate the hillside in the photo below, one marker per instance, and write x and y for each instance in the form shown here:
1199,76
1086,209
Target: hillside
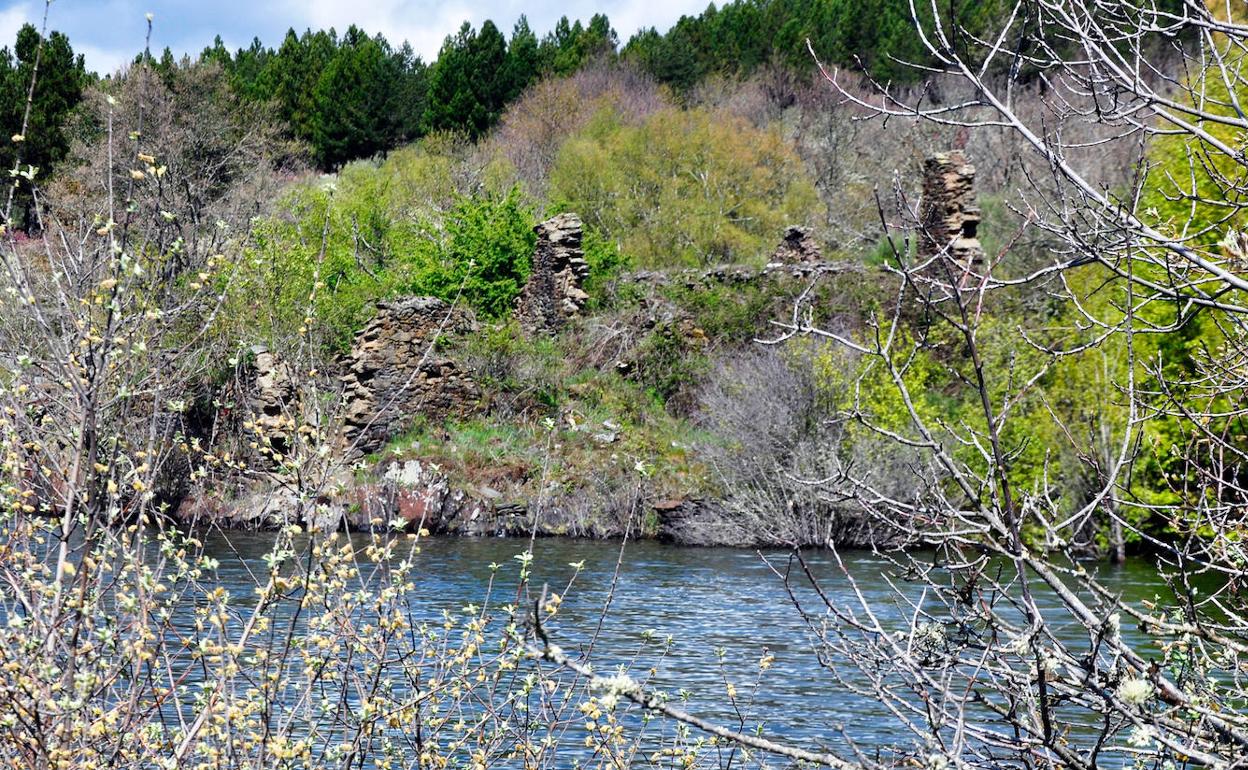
337,388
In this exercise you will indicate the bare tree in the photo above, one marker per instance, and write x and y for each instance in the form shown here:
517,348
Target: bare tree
983,673
1001,647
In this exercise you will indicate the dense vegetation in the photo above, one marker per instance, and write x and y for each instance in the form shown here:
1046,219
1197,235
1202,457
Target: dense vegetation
669,171
354,95
176,301
740,37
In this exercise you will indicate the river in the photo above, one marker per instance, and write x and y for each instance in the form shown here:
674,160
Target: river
723,609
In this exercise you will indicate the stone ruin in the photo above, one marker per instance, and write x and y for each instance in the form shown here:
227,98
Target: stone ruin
272,398
553,294
798,247
949,214
395,372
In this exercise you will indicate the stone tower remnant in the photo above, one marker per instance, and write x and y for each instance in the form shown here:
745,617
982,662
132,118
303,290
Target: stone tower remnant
553,294
949,214
274,398
798,247
395,372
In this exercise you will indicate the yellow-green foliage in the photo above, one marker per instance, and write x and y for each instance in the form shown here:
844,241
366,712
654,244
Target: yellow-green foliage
417,182
1195,189
685,187
1068,412
340,244
1197,178
300,274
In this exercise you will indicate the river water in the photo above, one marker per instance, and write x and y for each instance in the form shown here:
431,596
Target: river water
723,609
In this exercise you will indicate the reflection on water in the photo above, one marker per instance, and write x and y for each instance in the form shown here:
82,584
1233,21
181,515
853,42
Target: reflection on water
723,608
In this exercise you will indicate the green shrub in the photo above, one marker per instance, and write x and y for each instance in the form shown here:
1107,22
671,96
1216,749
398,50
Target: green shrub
486,251
667,365
730,311
606,263
304,273
685,187
335,248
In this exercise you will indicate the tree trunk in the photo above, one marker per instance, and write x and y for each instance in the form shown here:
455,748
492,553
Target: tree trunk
1117,543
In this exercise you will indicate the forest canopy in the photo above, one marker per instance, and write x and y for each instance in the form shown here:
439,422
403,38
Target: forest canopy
352,94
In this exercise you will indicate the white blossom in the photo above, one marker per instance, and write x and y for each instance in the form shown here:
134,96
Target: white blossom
1135,692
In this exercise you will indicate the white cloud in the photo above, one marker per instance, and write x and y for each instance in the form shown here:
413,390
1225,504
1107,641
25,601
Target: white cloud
11,20
426,24
424,27
103,61
627,18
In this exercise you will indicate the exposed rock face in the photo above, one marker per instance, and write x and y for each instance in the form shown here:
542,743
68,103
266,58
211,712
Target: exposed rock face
394,373
684,522
423,497
553,294
399,495
258,507
949,212
797,246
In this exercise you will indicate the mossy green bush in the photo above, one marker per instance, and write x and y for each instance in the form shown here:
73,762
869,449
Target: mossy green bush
684,187
340,245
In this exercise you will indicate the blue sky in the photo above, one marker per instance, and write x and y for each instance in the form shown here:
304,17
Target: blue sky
110,32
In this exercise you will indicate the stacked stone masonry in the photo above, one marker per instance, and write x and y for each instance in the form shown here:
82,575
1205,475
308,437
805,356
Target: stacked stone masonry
798,247
395,372
949,213
554,293
273,398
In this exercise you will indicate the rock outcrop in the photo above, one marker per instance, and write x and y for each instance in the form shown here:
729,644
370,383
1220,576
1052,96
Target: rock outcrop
406,495
797,247
395,372
554,294
949,214
420,495
255,507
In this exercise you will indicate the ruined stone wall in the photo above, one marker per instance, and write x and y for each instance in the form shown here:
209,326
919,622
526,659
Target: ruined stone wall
730,274
273,398
394,374
797,247
554,294
949,214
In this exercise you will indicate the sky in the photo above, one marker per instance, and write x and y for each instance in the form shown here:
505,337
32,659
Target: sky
110,32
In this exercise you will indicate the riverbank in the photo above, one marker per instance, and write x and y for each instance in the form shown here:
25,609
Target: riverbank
645,407
414,496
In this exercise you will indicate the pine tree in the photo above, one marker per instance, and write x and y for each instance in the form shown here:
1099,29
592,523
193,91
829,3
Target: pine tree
58,90
523,63
409,97
217,52
351,98
467,88
249,72
295,71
